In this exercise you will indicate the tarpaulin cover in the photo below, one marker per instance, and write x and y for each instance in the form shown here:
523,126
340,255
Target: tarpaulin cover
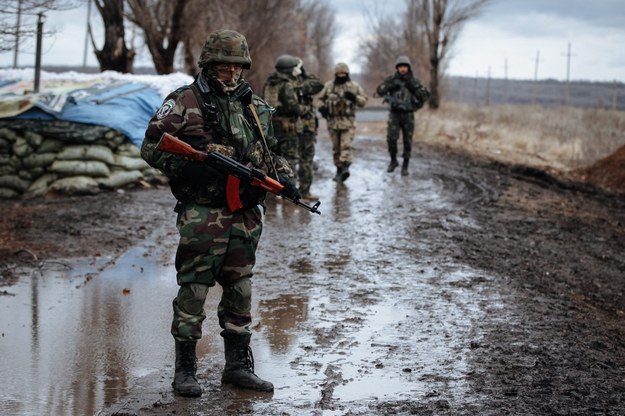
122,105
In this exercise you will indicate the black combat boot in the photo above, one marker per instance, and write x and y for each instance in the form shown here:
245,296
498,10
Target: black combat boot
392,165
404,167
339,170
345,171
239,369
185,383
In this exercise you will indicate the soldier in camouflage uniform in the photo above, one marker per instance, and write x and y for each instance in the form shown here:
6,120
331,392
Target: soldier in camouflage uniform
337,103
405,95
279,91
307,86
215,114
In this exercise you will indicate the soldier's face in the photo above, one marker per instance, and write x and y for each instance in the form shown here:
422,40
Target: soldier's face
403,69
229,73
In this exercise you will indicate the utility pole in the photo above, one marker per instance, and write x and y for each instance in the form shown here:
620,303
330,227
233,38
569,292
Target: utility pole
488,88
568,74
18,28
38,52
87,33
505,80
535,90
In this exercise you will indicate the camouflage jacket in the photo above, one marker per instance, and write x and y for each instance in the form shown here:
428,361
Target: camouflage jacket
279,92
307,86
341,111
403,94
212,120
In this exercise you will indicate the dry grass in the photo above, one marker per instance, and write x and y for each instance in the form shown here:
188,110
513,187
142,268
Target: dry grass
555,139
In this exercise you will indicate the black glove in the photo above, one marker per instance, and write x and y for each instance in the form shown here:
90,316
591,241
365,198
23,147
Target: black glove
290,189
348,95
395,85
200,173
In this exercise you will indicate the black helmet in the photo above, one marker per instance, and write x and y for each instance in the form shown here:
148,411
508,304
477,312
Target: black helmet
286,62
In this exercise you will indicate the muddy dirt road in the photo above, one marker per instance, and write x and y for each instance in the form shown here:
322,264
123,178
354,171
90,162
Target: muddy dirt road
467,288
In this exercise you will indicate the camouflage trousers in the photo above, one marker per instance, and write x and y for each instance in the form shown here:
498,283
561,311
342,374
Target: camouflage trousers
216,246
400,123
307,141
288,147
342,145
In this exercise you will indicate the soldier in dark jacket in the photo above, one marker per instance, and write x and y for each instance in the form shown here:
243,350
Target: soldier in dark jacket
216,113
405,95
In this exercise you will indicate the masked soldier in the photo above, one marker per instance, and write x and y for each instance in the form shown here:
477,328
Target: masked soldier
405,95
337,103
280,92
216,113
307,86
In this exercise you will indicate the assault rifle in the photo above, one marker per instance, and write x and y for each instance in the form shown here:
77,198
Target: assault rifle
235,171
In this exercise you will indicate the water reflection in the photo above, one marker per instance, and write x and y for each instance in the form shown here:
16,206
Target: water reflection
281,317
73,346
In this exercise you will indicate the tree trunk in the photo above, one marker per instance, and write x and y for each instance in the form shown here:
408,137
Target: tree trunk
114,55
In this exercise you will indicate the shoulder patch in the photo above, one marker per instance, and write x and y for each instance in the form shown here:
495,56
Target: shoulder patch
165,109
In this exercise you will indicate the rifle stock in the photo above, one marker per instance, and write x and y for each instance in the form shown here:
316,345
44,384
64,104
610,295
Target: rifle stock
235,170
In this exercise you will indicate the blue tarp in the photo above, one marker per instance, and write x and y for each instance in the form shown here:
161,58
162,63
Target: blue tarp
122,105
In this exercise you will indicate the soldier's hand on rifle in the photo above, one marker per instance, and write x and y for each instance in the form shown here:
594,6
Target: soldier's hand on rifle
348,95
290,189
200,173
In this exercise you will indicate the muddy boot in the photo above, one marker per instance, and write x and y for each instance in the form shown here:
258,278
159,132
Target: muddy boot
404,167
185,383
345,171
239,369
392,165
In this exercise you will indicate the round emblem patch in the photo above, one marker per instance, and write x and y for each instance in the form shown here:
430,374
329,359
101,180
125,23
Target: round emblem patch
165,109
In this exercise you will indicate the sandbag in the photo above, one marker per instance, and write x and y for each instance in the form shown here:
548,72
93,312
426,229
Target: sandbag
87,152
130,163
79,168
76,185
120,179
14,182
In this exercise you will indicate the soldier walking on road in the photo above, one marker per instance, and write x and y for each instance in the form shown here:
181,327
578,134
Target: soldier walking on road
279,91
218,112
307,86
337,103
405,95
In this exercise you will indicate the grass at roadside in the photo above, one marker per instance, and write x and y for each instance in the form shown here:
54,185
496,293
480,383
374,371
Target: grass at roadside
562,140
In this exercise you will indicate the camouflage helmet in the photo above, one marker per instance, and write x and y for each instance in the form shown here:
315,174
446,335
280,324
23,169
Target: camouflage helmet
341,67
403,60
286,62
226,47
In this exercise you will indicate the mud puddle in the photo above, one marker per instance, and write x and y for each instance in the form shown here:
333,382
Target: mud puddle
336,316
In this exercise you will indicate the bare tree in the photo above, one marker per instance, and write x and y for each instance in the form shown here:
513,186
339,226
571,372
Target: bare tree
321,29
18,21
163,24
114,55
442,22
380,48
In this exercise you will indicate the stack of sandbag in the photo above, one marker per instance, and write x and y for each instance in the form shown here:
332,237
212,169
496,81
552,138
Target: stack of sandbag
66,158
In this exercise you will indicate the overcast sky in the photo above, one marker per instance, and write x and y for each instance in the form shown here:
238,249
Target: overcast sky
504,40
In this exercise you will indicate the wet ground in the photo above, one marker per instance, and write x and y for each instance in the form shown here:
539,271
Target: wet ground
466,288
